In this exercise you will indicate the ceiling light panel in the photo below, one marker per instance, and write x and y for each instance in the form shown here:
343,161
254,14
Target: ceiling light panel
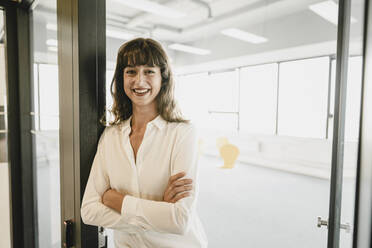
51,26
153,8
189,49
52,49
244,36
52,42
328,10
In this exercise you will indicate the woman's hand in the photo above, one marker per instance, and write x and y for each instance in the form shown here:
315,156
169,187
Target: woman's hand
177,188
113,199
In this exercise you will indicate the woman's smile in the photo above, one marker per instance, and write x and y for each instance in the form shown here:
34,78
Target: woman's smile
140,91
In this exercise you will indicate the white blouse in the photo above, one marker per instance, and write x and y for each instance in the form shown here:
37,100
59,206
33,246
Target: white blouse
145,220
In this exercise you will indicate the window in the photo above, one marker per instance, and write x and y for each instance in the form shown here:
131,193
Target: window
223,91
190,93
303,97
258,99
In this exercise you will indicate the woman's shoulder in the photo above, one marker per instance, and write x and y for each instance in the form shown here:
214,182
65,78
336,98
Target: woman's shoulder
182,126
182,129
109,132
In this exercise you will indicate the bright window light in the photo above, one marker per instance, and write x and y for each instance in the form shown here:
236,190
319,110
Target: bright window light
189,49
52,48
328,10
119,35
52,42
51,26
244,36
153,8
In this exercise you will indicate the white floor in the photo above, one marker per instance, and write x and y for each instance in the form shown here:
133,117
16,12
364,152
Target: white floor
251,206
247,206
256,207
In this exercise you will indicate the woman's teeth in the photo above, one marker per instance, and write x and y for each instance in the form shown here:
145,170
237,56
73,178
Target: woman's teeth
141,91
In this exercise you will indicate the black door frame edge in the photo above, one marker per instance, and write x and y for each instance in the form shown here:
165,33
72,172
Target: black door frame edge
82,68
22,170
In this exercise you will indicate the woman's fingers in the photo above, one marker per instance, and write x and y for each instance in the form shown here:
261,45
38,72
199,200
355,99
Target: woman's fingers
178,183
182,182
180,196
176,187
176,177
174,184
179,189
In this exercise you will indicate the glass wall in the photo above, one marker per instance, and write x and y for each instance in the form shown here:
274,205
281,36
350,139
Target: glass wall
5,230
258,75
352,117
46,122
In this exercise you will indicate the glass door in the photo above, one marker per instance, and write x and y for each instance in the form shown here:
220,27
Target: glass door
352,121
46,123
258,75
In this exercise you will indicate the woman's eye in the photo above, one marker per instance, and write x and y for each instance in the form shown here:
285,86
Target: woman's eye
150,72
131,71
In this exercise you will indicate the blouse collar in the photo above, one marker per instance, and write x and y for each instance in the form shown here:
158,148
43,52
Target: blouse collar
158,122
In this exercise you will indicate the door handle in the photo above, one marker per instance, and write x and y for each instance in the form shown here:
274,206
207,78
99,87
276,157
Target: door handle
345,226
102,238
69,234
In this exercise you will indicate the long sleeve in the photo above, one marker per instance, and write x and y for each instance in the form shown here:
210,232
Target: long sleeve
163,216
93,211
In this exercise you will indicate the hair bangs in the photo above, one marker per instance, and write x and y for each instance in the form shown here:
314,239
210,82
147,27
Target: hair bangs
145,55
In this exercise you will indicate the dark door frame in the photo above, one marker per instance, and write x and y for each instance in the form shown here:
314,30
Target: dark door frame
19,70
82,68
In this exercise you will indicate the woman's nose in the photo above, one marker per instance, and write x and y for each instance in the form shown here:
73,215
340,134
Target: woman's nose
140,78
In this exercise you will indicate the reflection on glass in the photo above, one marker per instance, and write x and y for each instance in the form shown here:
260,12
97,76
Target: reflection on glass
245,69
46,117
48,96
5,230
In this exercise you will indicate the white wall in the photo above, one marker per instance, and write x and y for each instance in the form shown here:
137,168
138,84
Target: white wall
305,156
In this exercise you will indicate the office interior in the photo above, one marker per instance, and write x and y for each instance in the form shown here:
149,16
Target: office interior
266,77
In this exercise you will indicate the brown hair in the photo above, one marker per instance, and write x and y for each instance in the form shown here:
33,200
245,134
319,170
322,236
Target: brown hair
141,51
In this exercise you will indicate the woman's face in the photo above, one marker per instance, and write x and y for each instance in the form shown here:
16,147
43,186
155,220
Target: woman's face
142,84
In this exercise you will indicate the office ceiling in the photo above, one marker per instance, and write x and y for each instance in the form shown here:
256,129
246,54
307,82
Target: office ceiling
286,23
199,22
203,17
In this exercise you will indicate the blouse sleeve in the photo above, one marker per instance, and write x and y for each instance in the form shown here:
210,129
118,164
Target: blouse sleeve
93,211
163,216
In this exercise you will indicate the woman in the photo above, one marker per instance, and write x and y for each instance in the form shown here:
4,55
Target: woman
143,181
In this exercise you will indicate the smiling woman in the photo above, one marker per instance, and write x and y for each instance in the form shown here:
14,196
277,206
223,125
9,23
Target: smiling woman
139,60
142,84
143,182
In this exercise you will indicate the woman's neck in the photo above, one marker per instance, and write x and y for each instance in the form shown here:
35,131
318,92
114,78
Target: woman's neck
141,116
